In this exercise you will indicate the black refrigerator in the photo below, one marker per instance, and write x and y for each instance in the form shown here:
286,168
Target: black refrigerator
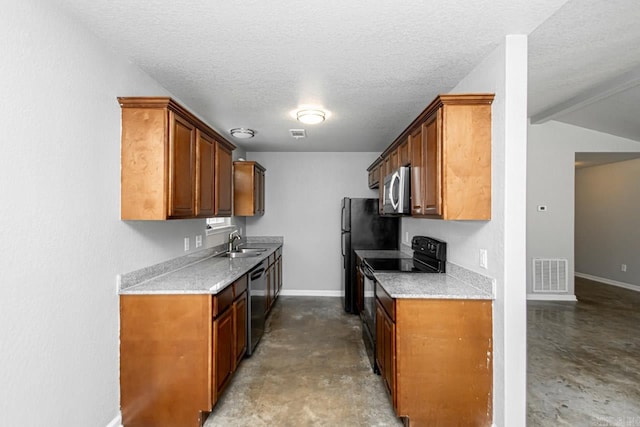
362,228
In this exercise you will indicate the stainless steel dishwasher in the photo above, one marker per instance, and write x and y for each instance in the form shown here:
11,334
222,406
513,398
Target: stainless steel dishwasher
257,305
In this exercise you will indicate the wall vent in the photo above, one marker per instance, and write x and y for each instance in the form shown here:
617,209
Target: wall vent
550,275
298,133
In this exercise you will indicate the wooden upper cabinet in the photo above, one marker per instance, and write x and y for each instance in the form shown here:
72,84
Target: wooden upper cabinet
248,188
449,146
432,161
182,155
417,162
404,153
374,174
224,180
168,163
205,182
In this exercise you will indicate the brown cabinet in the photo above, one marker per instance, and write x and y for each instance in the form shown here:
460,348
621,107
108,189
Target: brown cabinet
374,173
248,191
223,349
278,272
178,353
450,156
182,157
169,163
205,171
224,180
435,358
417,171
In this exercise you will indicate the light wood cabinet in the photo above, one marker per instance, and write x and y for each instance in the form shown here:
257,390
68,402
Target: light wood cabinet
178,353
450,157
169,165
435,359
417,171
248,190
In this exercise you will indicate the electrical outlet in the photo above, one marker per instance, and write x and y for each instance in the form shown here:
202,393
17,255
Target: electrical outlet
198,240
118,283
186,244
406,237
483,258
623,267
542,208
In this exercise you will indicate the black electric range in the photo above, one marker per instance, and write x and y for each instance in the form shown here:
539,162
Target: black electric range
429,256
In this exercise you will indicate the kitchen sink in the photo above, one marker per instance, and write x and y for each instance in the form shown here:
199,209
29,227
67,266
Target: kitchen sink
250,250
244,253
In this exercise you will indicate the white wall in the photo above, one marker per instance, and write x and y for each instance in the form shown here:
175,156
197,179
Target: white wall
503,72
550,182
62,242
608,213
303,194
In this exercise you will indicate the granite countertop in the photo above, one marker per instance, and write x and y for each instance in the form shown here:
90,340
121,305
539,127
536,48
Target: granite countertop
209,275
430,285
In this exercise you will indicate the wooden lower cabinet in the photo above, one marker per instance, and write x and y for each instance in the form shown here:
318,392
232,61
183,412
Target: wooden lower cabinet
178,353
435,358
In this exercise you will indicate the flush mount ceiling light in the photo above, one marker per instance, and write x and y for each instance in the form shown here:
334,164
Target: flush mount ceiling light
242,133
310,117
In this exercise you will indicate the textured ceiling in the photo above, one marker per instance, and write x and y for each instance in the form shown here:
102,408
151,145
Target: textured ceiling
374,64
582,49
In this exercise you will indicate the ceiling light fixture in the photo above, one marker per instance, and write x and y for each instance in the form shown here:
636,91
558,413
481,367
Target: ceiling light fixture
311,117
242,133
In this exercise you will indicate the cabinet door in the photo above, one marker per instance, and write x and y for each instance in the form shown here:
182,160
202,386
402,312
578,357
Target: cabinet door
279,275
258,191
223,349
205,177
240,325
394,163
432,142
182,140
404,153
224,179
417,160
268,289
388,331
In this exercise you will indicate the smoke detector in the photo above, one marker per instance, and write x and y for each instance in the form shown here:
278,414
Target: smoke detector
298,133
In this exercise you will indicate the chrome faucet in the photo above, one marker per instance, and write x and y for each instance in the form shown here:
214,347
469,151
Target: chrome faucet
233,236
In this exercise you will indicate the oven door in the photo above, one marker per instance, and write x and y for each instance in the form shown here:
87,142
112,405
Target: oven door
369,315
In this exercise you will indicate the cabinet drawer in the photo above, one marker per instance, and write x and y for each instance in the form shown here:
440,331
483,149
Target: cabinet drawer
222,301
386,301
272,258
278,253
239,286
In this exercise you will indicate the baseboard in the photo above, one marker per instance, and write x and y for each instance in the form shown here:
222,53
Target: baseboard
116,422
551,297
608,281
309,293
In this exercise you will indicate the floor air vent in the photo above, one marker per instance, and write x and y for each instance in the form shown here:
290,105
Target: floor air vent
549,275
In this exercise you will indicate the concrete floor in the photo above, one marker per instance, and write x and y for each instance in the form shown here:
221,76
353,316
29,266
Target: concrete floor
584,359
309,369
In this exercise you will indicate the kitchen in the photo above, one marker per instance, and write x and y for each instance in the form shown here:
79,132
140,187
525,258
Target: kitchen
60,309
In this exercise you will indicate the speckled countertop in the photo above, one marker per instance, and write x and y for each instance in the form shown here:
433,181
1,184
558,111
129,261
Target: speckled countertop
209,275
430,285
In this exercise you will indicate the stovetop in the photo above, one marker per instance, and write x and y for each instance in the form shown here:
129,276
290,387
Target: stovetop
404,265
429,256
